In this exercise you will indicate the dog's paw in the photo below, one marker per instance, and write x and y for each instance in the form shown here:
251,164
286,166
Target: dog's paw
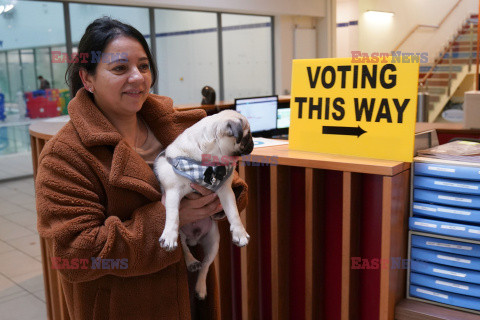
201,291
240,237
194,266
168,241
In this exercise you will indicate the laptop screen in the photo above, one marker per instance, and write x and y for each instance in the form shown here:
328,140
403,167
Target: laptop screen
261,113
283,118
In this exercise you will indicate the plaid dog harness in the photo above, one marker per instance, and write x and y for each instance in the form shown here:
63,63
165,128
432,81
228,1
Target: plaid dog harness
210,177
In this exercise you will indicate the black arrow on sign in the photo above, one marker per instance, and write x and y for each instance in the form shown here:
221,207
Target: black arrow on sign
348,131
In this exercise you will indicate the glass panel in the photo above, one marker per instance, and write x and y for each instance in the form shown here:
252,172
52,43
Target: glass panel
247,55
27,31
187,54
14,73
14,138
59,70
31,26
28,71
4,85
42,65
81,15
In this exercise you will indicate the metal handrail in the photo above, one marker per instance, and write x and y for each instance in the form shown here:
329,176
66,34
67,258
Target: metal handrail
423,84
448,48
427,26
437,61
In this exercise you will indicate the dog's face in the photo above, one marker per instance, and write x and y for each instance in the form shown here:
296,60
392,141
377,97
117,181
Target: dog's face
234,133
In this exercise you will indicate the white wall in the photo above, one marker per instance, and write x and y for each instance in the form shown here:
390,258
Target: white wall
347,36
385,36
284,41
284,29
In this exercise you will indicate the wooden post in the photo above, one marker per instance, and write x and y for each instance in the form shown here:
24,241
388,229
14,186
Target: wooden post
478,48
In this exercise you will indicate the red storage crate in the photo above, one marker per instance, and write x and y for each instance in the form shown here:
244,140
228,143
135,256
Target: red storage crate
42,103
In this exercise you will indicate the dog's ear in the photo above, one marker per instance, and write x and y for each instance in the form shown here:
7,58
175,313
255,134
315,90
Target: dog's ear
235,129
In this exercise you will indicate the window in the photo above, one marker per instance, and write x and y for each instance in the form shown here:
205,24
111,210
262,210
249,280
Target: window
19,44
187,54
81,15
247,55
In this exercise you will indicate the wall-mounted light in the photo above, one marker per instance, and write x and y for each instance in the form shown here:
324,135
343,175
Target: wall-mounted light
379,16
7,5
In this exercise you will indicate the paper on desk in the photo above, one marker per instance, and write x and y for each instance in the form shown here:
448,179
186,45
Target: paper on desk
264,142
65,118
468,151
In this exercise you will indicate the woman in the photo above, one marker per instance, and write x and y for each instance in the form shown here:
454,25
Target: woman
98,201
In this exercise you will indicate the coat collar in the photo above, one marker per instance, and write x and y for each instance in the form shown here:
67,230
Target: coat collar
128,170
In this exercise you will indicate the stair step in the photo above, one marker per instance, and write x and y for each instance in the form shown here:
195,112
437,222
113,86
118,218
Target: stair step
464,43
437,75
466,48
455,61
441,68
433,98
437,82
466,31
457,55
433,90
466,37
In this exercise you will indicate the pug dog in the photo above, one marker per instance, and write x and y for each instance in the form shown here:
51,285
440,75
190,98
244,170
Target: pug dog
205,154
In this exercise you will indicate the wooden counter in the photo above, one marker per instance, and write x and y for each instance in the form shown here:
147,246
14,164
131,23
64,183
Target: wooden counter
307,216
221,105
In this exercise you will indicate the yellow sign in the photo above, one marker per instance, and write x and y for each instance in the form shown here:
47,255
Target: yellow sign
358,109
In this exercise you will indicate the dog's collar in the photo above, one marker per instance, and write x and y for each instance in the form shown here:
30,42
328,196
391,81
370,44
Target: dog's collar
210,177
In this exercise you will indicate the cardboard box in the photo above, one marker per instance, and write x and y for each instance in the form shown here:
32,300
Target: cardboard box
471,109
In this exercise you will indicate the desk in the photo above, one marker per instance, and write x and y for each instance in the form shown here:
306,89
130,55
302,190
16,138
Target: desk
447,131
307,216
416,310
221,105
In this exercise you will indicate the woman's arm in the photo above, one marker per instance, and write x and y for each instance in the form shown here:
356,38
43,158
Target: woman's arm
71,214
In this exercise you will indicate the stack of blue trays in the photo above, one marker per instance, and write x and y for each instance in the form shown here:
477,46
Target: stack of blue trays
446,203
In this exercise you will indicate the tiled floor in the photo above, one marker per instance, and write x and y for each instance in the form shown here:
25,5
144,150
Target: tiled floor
15,165
22,294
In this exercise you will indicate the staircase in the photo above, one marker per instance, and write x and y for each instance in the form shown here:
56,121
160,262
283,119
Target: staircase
450,69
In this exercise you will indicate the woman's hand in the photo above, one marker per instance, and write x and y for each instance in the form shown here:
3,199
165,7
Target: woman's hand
195,206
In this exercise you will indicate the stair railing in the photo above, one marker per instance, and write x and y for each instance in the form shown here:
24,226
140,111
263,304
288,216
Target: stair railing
423,83
470,48
427,26
450,57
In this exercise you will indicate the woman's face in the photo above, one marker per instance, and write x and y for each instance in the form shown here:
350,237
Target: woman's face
122,78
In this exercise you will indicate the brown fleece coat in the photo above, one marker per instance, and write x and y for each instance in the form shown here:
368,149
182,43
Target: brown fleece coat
97,198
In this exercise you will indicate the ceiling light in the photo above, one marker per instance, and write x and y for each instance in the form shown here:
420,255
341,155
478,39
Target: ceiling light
379,15
8,7
2,8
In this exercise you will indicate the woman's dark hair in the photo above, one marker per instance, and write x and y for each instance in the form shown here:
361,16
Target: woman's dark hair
96,38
